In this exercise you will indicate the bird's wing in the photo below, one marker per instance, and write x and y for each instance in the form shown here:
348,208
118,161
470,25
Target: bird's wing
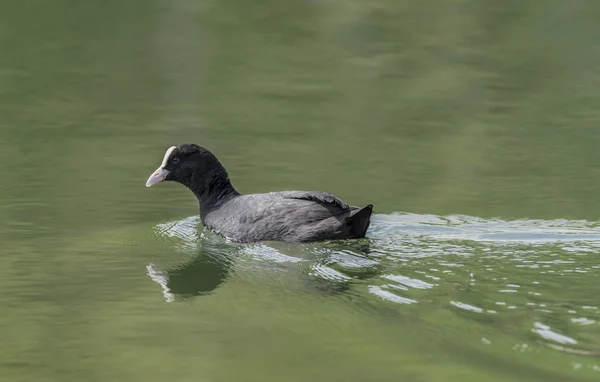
316,196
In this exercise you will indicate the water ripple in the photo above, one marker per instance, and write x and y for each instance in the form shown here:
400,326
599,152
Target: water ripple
389,296
526,273
547,333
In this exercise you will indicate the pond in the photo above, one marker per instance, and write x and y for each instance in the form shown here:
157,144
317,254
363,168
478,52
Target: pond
472,127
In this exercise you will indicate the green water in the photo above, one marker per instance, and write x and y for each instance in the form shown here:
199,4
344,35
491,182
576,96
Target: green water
472,126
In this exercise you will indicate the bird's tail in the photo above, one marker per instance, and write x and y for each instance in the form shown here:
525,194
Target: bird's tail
359,221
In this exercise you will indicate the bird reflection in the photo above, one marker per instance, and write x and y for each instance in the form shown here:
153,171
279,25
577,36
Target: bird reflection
332,267
199,277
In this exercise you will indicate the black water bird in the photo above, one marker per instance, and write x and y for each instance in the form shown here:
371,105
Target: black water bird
291,216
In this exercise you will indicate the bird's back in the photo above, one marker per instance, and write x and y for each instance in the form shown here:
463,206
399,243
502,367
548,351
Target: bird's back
295,216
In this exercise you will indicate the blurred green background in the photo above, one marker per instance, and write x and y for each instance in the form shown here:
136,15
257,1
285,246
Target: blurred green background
479,108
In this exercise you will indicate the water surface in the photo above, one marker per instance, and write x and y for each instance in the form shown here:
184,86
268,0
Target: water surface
471,126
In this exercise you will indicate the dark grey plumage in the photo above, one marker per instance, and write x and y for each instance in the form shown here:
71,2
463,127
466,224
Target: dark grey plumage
293,216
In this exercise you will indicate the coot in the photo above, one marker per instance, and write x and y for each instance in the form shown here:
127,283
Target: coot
292,216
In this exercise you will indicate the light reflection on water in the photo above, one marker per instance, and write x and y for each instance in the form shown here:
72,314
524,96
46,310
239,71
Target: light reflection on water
515,271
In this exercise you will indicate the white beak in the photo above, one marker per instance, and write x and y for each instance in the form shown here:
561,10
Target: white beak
160,174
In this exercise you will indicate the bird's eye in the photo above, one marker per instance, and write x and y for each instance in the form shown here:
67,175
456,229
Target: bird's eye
175,160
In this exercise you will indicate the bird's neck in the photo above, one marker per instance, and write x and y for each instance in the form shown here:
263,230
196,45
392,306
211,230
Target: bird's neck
214,193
